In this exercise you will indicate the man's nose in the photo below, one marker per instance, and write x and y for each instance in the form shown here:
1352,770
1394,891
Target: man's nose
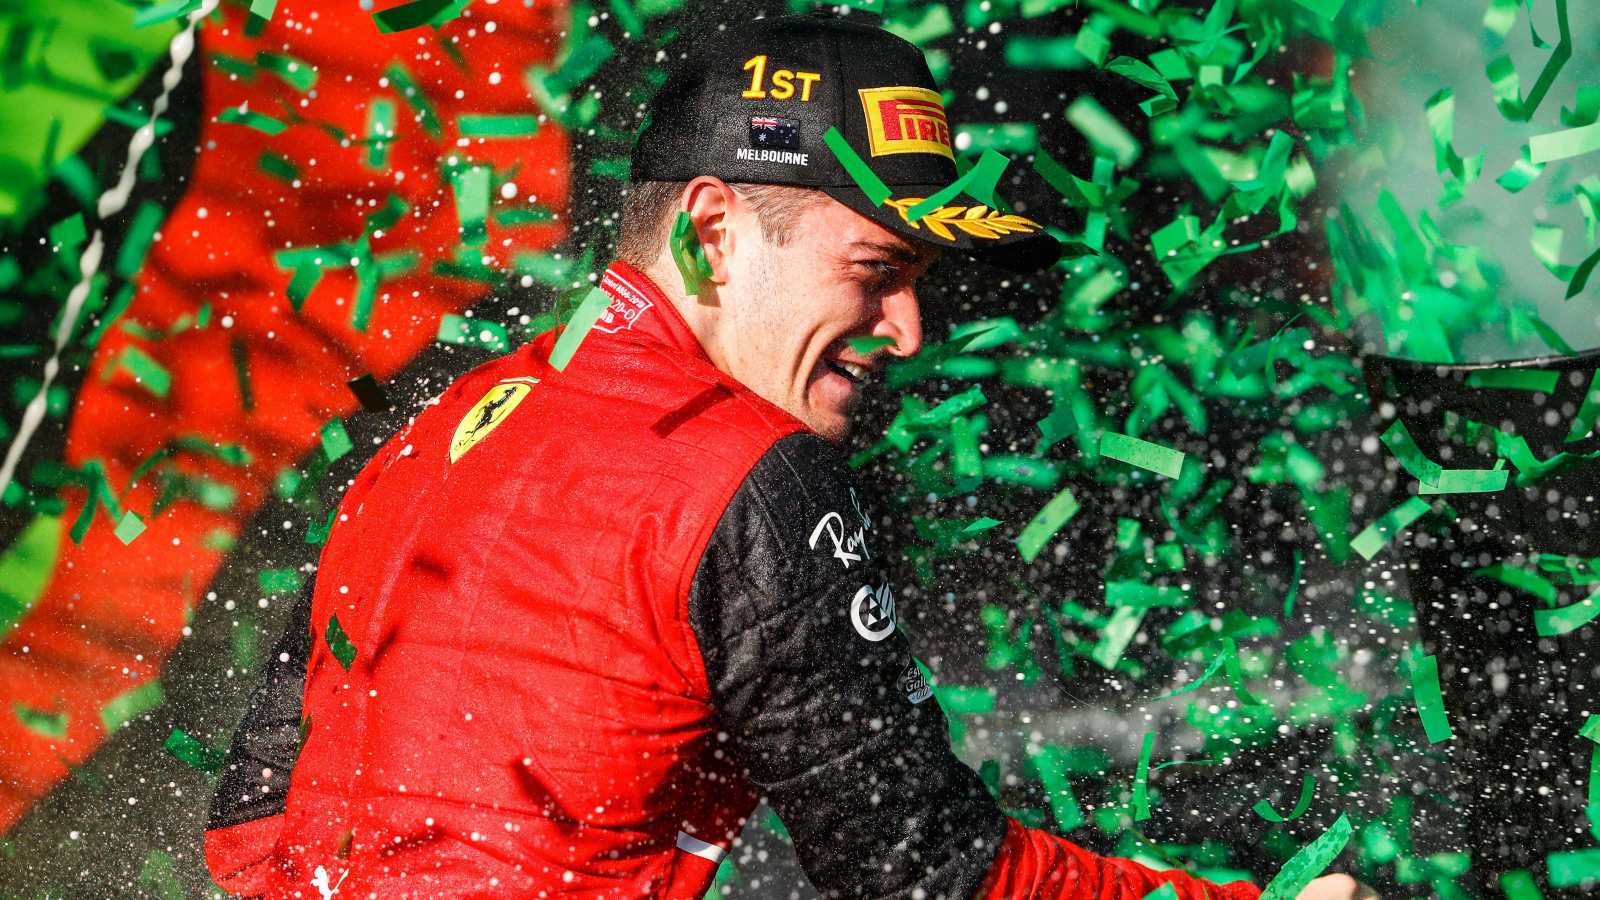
901,320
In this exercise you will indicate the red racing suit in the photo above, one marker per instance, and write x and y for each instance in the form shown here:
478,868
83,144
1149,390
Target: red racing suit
590,617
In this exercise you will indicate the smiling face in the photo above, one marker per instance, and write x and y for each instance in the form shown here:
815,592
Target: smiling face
787,312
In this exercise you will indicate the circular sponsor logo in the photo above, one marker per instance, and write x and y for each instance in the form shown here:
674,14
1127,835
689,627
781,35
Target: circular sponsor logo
872,617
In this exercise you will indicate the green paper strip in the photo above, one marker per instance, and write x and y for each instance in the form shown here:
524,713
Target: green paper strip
335,441
130,527
260,14
1327,9
1430,700
193,752
979,182
1565,619
141,231
51,725
1212,669
1165,892
1399,441
856,168
867,345
1141,779
1104,132
339,643
1537,380
1049,520
1521,579
1294,586
1583,422
1307,788
577,328
380,132
1050,765
252,119
1309,862
296,73
131,704
1518,884
1522,173
156,13
1375,536
1591,730
1142,454
417,14
1543,148
471,185
1573,867
688,255
498,126
1580,275
151,375
1466,481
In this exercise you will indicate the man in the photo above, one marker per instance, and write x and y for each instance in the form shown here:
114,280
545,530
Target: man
572,622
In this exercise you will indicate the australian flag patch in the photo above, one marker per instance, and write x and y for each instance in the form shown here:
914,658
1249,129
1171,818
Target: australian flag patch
774,133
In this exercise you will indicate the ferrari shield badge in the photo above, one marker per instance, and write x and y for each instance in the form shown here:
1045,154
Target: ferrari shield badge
487,414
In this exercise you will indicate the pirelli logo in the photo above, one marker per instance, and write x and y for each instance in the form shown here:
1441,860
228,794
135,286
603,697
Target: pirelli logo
905,120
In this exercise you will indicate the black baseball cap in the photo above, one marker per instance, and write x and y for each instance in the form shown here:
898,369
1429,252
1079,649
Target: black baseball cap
752,103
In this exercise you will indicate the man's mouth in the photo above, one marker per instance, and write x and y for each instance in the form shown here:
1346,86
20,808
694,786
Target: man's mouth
856,372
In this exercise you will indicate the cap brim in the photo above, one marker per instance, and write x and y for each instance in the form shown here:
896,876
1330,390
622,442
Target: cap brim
1006,240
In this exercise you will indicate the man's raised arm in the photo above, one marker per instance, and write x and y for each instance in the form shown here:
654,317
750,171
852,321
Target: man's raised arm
822,704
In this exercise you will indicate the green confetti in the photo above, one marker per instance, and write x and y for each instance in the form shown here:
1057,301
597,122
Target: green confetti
1430,700
165,11
1050,764
1309,862
1537,380
471,186
1141,779
339,643
577,328
131,704
1142,454
1573,867
1105,134
688,255
1583,422
130,526
380,132
498,126
279,581
294,72
1375,536
51,725
151,375
1543,148
1518,884
1308,787
1328,9
335,441
1049,520
867,345
1566,619
856,167
251,119
979,182
193,752
417,14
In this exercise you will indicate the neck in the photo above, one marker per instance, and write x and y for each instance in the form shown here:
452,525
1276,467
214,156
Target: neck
702,315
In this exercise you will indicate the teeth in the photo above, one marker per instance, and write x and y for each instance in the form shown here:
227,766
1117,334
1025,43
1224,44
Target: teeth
856,370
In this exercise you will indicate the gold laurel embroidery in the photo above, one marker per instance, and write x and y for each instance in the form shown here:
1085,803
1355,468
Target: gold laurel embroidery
977,221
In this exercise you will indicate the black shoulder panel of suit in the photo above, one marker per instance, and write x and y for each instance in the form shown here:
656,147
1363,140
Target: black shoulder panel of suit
254,780
816,689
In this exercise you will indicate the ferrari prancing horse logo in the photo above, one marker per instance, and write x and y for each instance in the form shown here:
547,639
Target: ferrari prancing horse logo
488,413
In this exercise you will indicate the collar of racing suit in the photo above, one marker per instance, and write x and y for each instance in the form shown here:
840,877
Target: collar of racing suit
640,306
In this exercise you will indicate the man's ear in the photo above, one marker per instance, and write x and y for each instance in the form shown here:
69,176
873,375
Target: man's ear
710,204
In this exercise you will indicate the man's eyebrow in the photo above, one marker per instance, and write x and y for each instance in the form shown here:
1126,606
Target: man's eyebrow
897,252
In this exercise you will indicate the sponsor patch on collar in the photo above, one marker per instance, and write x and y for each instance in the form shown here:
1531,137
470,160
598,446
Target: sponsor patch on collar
628,303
